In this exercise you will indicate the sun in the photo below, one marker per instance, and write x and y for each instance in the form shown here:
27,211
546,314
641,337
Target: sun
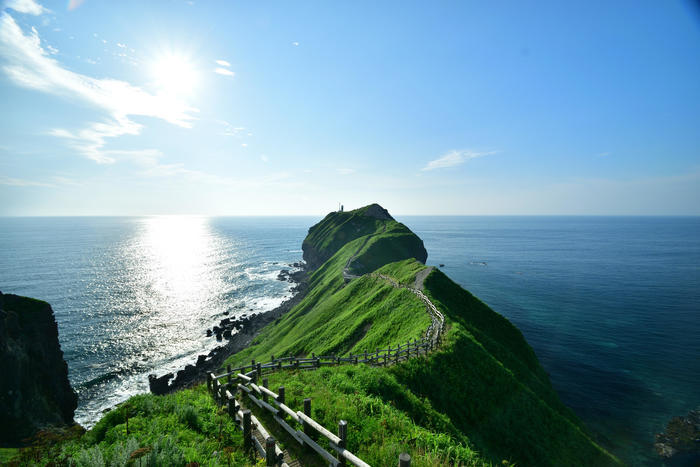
174,74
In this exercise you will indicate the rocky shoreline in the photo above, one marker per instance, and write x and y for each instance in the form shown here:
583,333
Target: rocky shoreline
246,328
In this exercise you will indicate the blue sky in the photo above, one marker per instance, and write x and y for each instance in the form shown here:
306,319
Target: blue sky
240,108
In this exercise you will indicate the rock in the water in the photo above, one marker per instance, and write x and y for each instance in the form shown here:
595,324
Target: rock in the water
682,435
34,389
159,385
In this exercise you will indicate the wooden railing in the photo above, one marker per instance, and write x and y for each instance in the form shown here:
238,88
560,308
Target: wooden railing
247,382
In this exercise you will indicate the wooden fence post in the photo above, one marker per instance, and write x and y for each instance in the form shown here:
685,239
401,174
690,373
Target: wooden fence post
270,456
259,371
209,382
247,431
307,411
232,407
404,460
343,435
228,370
280,399
264,395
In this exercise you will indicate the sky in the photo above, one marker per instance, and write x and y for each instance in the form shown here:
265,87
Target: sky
290,108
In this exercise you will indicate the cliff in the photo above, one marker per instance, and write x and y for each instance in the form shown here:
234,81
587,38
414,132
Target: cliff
34,388
339,228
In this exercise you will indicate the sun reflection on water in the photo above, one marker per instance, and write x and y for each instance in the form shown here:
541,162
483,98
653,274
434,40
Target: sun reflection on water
180,254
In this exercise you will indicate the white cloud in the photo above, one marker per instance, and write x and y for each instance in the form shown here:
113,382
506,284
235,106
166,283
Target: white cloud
29,7
90,141
73,4
28,65
223,71
295,44
230,130
223,63
121,46
52,50
9,181
454,158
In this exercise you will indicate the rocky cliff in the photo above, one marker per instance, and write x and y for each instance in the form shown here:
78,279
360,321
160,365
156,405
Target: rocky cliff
34,387
339,228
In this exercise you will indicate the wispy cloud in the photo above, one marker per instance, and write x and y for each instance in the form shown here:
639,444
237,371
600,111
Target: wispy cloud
603,154
454,158
22,182
295,44
73,4
28,65
29,7
345,171
223,63
90,141
224,71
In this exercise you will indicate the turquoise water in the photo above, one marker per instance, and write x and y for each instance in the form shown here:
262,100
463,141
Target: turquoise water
610,305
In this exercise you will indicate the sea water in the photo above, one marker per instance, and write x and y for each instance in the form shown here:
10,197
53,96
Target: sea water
611,305
135,295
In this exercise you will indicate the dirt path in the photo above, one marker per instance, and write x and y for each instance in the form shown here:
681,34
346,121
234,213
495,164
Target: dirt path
420,278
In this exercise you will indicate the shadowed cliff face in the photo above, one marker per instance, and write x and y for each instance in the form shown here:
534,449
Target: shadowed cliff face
34,387
339,228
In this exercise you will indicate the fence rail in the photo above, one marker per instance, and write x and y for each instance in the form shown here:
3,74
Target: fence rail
248,382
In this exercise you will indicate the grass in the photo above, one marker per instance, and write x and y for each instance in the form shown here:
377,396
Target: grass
384,418
175,429
485,383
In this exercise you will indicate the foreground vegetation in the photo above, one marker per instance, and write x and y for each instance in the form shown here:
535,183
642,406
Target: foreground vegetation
175,429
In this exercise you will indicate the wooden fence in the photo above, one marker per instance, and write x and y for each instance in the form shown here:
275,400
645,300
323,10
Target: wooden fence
247,381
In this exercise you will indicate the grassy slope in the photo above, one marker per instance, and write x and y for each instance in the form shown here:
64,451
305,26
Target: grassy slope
168,430
486,381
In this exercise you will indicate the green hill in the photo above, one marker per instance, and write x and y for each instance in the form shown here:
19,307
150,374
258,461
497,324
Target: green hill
485,387
480,399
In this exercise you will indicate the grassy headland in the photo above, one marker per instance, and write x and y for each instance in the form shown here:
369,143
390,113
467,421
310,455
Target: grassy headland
480,399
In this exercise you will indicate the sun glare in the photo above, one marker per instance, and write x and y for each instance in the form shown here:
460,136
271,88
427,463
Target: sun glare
174,74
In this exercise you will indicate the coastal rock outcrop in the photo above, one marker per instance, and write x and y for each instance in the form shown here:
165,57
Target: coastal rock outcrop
34,389
682,435
339,228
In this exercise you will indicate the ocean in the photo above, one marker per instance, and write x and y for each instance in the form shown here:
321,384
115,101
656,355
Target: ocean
611,305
